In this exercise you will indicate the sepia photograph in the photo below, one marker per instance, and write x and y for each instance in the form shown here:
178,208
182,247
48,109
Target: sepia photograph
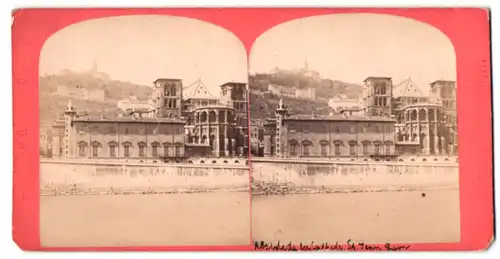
353,132
144,134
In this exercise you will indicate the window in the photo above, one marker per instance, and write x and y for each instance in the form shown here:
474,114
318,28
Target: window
337,148
112,149
377,148
388,145
324,151
127,130
305,147
165,149
95,148
126,149
352,148
142,149
293,148
177,151
337,129
365,148
154,146
81,149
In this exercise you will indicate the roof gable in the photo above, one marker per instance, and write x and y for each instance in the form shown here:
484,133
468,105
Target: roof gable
197,90
407,89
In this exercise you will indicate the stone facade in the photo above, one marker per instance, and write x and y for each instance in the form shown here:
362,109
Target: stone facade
166,133
394,120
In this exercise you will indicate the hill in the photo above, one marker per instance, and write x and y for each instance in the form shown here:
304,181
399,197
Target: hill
264,103
93,93
325,88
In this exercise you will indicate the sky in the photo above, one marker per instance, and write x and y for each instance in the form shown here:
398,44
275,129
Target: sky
352,47
140,49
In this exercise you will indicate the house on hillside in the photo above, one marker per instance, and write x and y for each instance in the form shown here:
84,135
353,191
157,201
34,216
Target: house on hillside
342,102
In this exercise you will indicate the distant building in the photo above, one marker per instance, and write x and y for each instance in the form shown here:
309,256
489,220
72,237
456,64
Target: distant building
292,92
342,102
307,93
46,140
80,93
131,104
281,91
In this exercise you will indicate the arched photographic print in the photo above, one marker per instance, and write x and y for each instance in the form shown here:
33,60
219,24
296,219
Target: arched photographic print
143,136
354,132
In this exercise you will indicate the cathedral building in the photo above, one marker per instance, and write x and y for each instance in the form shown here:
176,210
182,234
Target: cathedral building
173,129
394,120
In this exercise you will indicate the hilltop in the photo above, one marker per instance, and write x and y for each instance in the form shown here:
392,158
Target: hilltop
92,92
264,103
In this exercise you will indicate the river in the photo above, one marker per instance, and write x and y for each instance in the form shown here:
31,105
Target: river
371,217
219,218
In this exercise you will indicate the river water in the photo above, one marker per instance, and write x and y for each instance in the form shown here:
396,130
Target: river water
221,218
374,217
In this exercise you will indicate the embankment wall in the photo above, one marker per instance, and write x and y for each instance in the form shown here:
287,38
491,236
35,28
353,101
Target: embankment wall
338,175
100,176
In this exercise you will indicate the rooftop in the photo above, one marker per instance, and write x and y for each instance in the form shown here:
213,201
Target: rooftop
128,119
197,90
407,89
422,105
376,77
338,118
214,106
232,83
442,81
167,79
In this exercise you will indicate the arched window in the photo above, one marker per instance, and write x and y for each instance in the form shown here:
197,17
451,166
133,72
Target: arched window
82,146
306,144
324,147
166,148
388,147
212,116
154,147
422,115
432,115
378,146
293,147
95,148
112,148
142,149
177,147
366,146
222,117
352,147
414,115
337,144
126,149
203,117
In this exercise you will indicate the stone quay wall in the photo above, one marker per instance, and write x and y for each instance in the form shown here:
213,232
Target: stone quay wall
59,177
356,175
